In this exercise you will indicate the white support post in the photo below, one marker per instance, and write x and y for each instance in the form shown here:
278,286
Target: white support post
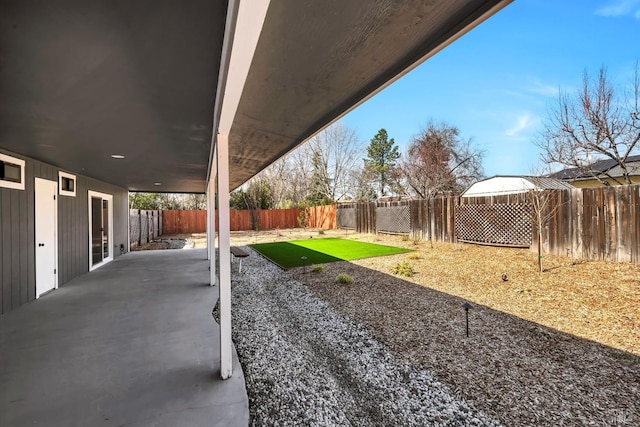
208,196
224,235
242,31
211,216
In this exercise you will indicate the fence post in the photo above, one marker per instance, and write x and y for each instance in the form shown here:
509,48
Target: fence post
139,227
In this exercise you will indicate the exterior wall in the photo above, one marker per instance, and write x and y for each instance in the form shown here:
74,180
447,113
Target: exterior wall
17,232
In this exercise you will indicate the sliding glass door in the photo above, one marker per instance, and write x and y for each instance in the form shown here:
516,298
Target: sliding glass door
100,229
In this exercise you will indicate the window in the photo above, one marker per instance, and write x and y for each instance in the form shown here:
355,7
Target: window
11,172
67,184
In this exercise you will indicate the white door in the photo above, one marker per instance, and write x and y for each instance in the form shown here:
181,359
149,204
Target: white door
46,236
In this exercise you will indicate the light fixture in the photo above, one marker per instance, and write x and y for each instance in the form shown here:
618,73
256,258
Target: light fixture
157,183
117,156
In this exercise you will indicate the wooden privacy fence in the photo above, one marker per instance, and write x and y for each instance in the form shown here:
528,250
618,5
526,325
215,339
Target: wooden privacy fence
589,223
321,217
176,222
596,223
144,226
196,221
425,219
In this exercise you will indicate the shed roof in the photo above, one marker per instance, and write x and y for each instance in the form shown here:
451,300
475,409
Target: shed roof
501,184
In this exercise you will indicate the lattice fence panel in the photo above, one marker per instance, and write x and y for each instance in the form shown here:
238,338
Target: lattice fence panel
346,218
499,224
393,219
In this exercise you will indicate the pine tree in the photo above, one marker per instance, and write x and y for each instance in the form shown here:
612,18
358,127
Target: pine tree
382,155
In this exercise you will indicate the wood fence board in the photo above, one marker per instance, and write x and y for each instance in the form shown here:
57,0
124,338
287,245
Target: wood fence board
588,221
576,235
635,223
623,225
564,214
609,204
602,225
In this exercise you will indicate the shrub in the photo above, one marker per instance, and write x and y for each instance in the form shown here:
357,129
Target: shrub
344,279
317,268
402,269
321,231
414,256
405,237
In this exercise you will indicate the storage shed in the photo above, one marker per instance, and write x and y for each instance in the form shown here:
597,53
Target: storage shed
501,185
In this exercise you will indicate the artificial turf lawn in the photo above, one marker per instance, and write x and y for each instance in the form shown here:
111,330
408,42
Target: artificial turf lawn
322,251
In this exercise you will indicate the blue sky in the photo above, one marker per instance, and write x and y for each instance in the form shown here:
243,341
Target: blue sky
497,82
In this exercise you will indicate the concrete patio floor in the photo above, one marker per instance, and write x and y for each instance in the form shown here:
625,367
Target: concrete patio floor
132,343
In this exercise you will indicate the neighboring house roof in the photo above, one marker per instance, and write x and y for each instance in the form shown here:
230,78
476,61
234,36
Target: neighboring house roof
501,185
602,168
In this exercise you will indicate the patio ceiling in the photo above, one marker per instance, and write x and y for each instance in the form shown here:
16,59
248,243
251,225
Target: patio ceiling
81,80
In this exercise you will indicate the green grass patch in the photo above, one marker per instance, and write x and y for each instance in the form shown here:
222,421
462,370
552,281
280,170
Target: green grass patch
321,251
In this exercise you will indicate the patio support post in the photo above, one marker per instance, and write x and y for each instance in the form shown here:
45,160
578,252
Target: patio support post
211,228
208,195
222,148
242,31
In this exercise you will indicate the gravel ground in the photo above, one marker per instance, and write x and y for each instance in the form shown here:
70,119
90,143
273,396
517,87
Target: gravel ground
306,364
515,370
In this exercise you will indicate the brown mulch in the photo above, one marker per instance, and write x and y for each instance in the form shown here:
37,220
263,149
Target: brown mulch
554,348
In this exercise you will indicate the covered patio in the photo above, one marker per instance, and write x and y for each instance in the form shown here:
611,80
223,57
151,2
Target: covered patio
132,343
193,97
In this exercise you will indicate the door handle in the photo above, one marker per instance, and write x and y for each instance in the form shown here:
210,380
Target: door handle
40,244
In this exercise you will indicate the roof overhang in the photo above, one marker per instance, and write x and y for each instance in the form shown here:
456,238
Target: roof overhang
84,79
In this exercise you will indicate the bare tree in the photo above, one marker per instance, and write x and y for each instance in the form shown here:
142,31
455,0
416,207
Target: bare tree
288,178
544,204
598,122
363,180
320,169
299,174
439,160
338,151
167,201
543,207
278,176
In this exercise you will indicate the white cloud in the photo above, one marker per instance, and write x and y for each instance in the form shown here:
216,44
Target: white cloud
523,122
527,85
538,87
621,8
